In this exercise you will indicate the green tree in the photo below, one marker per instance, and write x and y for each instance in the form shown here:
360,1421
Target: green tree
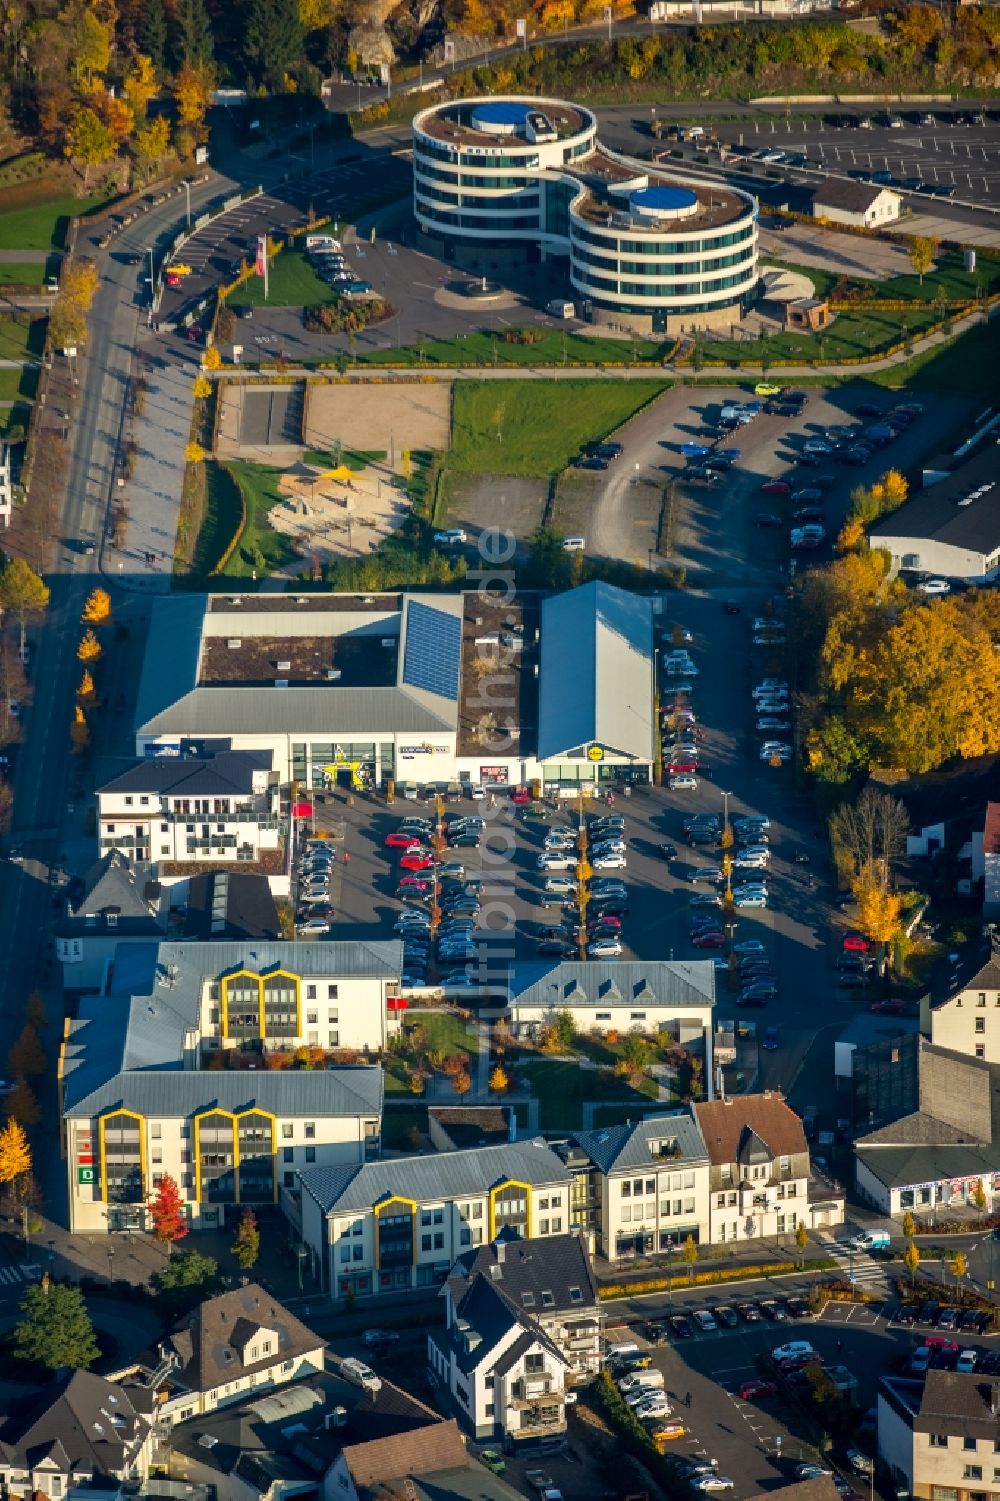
55,1328
690,1254
801,1240
191,42
565,1030
152,33
184,1281
273,40
911,1260
89,141
246,1246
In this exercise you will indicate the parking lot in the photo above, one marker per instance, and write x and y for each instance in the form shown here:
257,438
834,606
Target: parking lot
757,1441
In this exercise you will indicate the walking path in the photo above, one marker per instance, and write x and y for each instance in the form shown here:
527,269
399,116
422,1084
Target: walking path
145,563
26,257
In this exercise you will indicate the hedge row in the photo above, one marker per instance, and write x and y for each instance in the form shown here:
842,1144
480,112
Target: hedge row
234,541
621,1417
713,1275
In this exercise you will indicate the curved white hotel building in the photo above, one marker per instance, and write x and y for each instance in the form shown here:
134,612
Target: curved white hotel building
653,252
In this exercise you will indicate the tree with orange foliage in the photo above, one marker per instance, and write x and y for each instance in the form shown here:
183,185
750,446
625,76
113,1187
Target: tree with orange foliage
166,1212
462,1082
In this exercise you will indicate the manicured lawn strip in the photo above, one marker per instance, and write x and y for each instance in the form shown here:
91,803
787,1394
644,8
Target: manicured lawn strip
22,338
537,427
397,1124
260,486
950,275
561,1087
18,381
354,458
851,335
444,1032
555,347
23,273
965,367
823,281
40,219
222,517
292,282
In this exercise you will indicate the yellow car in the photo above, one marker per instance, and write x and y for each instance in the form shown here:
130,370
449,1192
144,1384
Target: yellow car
766,388
666,1432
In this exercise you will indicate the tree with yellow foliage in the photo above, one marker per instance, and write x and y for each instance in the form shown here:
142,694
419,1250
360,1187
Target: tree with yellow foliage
15,1153
878,909
499,1080
152,141
90,648
86,688
211,359
140,84
923,249
88,140
201,388
118,116
97,610
78,280
851,535
79,731
195,454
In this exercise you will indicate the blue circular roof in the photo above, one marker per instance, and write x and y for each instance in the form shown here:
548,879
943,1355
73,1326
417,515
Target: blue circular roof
501,112
663,199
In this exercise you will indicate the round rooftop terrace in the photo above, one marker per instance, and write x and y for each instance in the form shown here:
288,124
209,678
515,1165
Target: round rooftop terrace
500,117
663,202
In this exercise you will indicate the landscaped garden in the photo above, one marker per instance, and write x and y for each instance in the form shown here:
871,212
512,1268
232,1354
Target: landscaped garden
35,215
523,346
291,282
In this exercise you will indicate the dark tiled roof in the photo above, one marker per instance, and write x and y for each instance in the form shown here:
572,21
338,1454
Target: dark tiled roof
210,1341
964,1404
723,1123
242,901
69,1421
841,192
228,774
936,514
550,1266
645,1143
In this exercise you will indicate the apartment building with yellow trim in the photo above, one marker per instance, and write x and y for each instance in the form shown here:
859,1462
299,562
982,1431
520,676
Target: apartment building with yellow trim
387,1226
171,1071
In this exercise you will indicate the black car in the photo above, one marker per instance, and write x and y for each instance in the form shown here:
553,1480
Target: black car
667,851
948,1318
724,1316
928,1312
464,842
551,949
798,1308
655,1333
851,980
609,450
749,1313
775,1310
907,1315
767,518
592,461
702,836
681,1328
973,1321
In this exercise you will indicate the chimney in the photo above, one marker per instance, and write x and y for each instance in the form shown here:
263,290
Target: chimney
501,1251
995,1399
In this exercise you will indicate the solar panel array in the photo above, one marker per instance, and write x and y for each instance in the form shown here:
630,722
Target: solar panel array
433,652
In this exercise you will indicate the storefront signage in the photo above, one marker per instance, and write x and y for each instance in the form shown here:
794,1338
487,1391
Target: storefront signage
84,1175
595,752
423,750
494,774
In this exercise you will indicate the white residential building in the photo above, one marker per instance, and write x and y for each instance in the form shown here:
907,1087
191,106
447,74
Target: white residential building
760,1179
165,1072
238,1343
940,1436
620,995
641,1189
6,484
505,1377
187,810
966,1016
865,205
387,1226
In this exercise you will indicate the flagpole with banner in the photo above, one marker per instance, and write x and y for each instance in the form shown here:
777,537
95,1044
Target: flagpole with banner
261,267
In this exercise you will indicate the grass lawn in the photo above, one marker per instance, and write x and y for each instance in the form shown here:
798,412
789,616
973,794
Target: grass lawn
561,1087
22,338
354,458
260,486
19,381
823,281
16,416
950,275
965,367
555,347
36,215
445,1033
221,518
291,283
23,273
851,335
537,427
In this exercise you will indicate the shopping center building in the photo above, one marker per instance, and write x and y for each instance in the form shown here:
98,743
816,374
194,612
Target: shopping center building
426,689
528,177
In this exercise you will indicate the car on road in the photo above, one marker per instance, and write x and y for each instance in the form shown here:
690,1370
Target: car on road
711,1482
399,841
684,782
592,461
450,538
493,1460
767,388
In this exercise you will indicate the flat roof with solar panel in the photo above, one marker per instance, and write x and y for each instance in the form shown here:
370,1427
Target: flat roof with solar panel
432,651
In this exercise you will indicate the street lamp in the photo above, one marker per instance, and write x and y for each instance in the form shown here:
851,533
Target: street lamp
111,1265
187,189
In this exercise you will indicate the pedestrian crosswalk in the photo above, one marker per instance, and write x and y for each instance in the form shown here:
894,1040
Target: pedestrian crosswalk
18,1274
856,1264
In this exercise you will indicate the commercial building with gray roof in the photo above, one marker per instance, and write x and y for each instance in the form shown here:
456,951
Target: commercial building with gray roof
621,995
952,528
386,1226
185,1064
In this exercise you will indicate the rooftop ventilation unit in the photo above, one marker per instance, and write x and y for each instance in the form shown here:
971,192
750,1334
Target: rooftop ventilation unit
301,600
283,666
234,643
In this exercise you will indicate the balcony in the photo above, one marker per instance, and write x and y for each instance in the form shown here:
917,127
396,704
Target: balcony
263,819
537,1420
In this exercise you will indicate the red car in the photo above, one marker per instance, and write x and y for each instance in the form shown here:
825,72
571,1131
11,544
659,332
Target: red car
416,860
776,487
609,922
751,1390
938,1342
682,767
854,943
520,796
397,841
893,1005
713,939
415,883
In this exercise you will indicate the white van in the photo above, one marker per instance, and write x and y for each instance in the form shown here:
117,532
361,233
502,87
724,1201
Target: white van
871,1240
360,1374
575,544
619,1352
641,1381
322,242
557,308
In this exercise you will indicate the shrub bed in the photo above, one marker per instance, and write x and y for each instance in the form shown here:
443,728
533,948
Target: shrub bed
712,1275
345,317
